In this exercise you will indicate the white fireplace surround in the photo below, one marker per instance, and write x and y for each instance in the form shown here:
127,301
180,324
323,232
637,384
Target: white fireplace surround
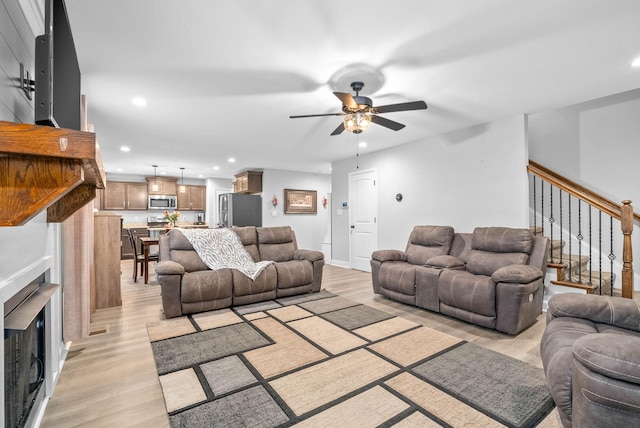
27,252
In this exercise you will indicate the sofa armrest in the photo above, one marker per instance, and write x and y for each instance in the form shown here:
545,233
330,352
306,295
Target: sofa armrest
612,310
169,276
169,267
445,261
389,256
612,355
311,255
517,274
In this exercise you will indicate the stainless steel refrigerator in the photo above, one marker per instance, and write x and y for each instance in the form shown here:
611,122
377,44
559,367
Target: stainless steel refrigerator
236,209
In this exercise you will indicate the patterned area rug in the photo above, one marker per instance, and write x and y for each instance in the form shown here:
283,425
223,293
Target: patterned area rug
322,360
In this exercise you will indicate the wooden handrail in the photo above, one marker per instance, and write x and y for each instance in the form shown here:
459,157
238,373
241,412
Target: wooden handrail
603,204
623,212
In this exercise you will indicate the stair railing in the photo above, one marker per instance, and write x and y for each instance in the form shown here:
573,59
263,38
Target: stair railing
621,212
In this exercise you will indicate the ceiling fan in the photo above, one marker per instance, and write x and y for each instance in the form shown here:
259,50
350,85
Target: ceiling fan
359,112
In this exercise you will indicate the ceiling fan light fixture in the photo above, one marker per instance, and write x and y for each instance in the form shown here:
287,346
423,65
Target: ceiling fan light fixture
356,122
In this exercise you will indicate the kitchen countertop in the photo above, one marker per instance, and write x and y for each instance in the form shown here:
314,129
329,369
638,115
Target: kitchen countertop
179,225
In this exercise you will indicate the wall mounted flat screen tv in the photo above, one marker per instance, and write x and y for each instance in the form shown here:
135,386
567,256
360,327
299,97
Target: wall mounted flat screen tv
57,95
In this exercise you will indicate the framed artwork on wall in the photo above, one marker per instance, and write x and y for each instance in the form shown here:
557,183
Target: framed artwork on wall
300,201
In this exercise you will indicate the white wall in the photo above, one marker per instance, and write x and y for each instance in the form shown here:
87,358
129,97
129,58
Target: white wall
595,144
468,178
310,229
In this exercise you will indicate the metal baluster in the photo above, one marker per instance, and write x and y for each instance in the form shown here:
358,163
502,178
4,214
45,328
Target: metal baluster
561,237
535,212
579,238
600,243
570,240
551,219
590,261
542,206
612,256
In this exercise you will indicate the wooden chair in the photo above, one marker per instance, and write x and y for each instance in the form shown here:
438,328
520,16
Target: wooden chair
138,256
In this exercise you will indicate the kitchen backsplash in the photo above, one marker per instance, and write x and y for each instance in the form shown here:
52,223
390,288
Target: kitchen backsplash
141,216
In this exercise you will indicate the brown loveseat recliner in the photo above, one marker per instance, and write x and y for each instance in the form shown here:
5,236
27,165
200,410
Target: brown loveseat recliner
189,286
492,277
591,357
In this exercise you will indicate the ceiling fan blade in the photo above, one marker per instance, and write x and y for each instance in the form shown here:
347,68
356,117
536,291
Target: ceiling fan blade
414,105
347,100
316,115
338,130
386,123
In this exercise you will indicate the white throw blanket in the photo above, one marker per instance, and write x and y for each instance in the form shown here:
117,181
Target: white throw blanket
222,248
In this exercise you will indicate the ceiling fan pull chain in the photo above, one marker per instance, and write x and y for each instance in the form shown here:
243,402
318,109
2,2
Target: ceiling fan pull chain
357,149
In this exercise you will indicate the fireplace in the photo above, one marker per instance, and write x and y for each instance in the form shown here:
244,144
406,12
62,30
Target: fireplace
25,350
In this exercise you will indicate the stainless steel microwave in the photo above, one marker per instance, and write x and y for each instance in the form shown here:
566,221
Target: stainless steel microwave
162,202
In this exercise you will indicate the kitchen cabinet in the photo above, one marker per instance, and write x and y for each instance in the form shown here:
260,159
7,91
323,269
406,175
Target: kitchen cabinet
166,185
124,196
193,199
248,182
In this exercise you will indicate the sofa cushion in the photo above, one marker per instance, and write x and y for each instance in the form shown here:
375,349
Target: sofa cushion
426,242
206,285
398,276
276,243
294,273
463,290
519,274
177,241
487,262
249,237
445,261
189,259
243,285
502,240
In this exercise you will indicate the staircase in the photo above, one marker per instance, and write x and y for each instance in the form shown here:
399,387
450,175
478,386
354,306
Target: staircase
574,271
584,230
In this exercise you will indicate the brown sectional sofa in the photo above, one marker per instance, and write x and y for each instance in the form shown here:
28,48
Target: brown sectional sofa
492,277
189,286
591,357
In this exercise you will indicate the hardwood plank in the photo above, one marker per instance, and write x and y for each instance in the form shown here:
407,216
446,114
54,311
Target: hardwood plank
110,379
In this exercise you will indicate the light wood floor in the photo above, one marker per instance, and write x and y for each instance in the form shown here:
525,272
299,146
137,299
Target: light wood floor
110,379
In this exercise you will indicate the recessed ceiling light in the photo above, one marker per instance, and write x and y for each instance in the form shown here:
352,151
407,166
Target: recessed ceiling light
362,144
138,101
636,62
232,160
163,173
200,176
125,149
216,167
118,169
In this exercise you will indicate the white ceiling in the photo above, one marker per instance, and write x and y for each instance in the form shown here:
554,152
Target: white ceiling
222,77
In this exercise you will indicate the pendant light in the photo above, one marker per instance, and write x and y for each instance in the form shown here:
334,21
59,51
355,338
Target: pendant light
154,186
182,188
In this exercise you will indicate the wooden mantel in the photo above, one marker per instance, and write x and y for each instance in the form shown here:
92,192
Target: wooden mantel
42,167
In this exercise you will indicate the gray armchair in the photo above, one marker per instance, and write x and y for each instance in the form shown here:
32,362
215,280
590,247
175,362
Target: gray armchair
591,356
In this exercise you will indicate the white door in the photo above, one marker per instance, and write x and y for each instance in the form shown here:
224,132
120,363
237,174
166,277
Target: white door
363,201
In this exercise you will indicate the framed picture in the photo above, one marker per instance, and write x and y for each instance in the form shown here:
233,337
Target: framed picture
300,201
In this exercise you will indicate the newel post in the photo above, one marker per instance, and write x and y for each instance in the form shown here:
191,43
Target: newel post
627,253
